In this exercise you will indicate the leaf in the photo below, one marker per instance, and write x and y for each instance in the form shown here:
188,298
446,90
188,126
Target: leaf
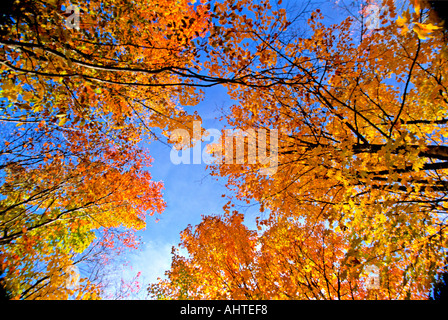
401,22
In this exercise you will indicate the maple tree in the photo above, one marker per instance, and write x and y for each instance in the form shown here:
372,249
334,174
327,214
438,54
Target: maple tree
76,103
361,116
284,259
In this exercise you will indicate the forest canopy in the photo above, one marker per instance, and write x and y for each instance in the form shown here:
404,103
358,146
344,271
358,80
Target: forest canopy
357,109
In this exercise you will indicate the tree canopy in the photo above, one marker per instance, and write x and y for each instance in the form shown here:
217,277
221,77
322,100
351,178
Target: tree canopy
75,105
359,112
362,160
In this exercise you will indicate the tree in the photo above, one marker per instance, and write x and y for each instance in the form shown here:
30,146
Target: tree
285,259
222,256
53,209
361,116
76,102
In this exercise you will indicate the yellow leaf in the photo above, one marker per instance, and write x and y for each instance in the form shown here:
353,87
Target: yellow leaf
430,27
420,33
424,30
402,21
62,122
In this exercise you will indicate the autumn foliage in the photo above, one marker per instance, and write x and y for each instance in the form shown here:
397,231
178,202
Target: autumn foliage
361,117
289,259
76,105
